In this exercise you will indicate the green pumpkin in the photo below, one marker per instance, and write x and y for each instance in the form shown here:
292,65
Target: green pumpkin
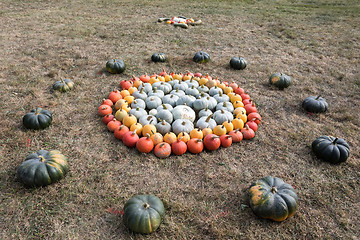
315,104
43,168
272,198
280,80
143,213
238,63
331,149
64,85
201,57
115,66
158,57
37,119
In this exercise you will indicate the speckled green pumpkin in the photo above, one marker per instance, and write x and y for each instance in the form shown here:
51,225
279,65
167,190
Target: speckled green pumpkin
280,80
158,57
43,168
272,198
37,119
143,213
238,63
201,57
64,85
115,66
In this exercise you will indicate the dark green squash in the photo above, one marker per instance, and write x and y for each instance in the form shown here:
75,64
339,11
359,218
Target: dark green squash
64,85
315,104
280,80
272,198
238,63
201,57
158,57
143,213
43,168
115,66
37,119
331,149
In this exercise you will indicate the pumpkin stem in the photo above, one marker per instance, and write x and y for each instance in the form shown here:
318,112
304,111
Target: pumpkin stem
273,189
42,159
334,142
37,111
146,205
317,97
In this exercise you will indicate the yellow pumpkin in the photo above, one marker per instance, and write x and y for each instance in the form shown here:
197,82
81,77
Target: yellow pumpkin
129,99
148,129
129,120
132,90
184,136
120,114
238,123
219,130
196,133
207,131
237,104
228,125
170,137
118,105
137,127
239,110
124,93
157,138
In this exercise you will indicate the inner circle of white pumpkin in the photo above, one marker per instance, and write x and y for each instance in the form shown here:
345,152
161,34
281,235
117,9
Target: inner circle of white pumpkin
182,111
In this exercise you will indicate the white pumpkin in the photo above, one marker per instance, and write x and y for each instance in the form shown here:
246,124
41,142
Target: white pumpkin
184,112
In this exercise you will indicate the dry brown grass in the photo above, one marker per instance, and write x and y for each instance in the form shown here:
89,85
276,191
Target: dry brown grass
315,42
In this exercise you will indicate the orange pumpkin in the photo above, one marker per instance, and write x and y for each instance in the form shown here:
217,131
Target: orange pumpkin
196,133
170,137
162,150
145,144
104,110
157,138
195,145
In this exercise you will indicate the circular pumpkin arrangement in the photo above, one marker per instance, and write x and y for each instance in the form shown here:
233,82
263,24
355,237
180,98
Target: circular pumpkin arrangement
164,112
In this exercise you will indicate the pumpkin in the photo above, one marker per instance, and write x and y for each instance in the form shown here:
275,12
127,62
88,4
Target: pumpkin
225,140
182,125
129,99
145,78
201,57
126,84
64,85
211,142
136,127
140,94
233,85
170,99
195,145
206,122
252,124
186,100
120,103
219,130
239,90
148,129
129,120
162,150
247,132
138,103
170,137
221,116
138,112
238,63
331,149
156,138
120,131
115,66
158,57
184,136
163,127
130,138
183,112
256,116
225,106
229,126
280,80
120,114
236,136
39,118
196,133
104,110
146,87
113,124
107,118
156,92
143,213
115,96
238,123
207,131
205,113
107,102
145,144
272,198
179,147
43,168
251,107
315,104
124,93
166,115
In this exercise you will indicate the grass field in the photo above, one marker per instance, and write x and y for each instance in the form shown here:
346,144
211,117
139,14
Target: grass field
317,43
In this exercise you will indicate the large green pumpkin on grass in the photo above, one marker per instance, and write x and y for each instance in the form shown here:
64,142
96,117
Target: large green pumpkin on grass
115,66
43,168
331,149
143,213
272,198
64,85
37,118
201,57
280,80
